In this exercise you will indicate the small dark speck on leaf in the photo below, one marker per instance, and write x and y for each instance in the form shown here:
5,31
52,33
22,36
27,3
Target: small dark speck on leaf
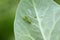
35,17
27,19
41,16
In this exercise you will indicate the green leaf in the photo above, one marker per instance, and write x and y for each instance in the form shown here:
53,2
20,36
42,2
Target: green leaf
37,20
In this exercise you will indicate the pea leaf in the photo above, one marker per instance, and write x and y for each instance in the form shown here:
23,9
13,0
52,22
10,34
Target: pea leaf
37,20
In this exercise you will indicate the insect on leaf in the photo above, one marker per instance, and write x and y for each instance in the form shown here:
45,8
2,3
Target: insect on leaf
46,24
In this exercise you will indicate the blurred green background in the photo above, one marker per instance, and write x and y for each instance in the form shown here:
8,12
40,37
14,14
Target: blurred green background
7,14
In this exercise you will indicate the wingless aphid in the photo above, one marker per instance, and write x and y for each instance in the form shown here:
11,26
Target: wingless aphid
35,17
27,19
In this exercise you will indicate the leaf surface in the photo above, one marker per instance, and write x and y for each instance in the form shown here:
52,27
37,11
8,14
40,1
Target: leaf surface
37,20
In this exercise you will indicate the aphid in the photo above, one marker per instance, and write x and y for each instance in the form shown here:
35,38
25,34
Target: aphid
35,17
28,20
